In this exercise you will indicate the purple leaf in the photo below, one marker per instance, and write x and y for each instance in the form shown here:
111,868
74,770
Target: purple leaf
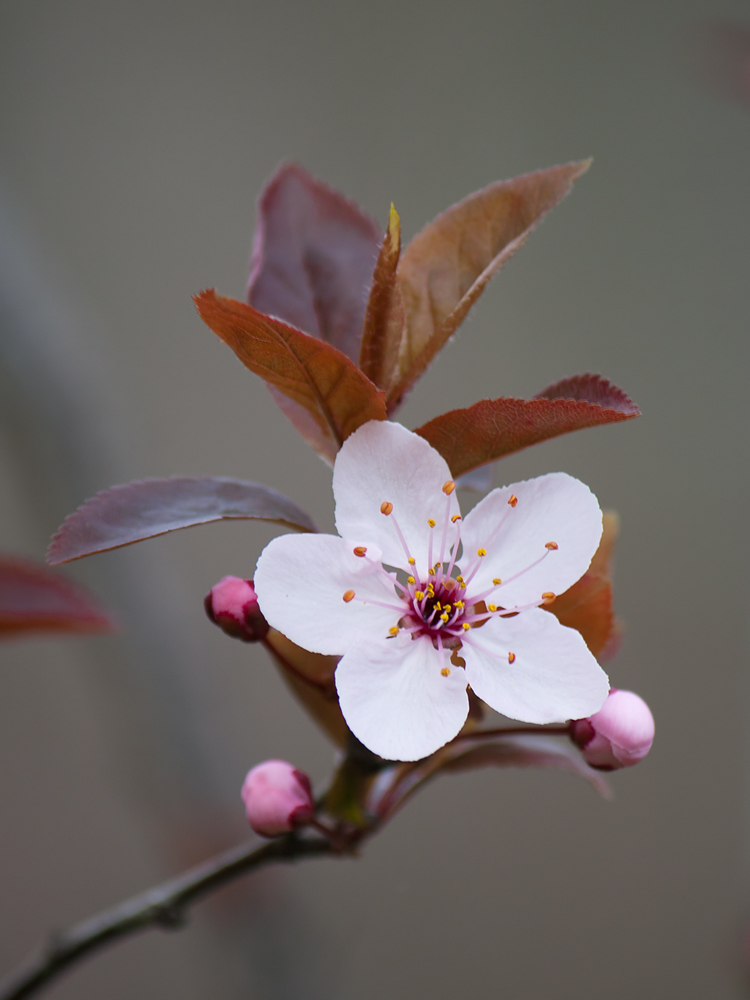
126,514
395,784
35,599
313,257
522,750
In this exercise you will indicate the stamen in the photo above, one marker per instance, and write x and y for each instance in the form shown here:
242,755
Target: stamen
551,546
456,517
399,608
449,487
411,580
418,595
348,596
431,523
492,607
511,657
465,626
393,630
548,597
513,500
386,508
481,552
387,576
400,534
445,672
360,551
497,581
411,561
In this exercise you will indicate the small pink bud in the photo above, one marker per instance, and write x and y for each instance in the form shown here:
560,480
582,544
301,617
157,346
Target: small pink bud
619,735
233,605
277,798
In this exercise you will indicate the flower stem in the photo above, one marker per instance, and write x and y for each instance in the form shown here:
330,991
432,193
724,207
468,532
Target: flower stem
164,907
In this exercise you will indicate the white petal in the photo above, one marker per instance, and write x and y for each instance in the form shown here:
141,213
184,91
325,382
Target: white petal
301,581
396,700
553,677
554,508
383,462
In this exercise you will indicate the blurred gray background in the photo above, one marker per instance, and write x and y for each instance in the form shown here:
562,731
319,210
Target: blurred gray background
134,139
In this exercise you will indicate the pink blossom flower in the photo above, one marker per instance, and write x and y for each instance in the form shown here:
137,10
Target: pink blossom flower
277,798
620,734
412,640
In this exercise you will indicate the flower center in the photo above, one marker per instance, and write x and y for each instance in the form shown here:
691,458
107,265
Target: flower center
440,606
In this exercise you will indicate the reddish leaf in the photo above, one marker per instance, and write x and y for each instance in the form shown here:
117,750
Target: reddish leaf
447,265
35,599
587,605
313,256
309,372
126,514
381,339
492,428
592,389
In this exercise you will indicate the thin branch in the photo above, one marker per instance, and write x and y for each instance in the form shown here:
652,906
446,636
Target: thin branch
163,907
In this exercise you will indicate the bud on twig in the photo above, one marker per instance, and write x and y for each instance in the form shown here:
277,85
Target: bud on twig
233,606
619,735
278,798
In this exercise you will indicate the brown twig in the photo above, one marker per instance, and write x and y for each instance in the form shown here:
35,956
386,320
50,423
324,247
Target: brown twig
163,907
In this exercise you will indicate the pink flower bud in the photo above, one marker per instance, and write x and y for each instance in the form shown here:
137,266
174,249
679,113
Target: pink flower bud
277,798
619,735
233,606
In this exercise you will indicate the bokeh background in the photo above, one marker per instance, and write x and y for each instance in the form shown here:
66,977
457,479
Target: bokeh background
134,138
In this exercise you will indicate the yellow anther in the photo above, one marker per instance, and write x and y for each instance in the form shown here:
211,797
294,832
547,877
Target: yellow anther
360,551
449,487
393,630
551,546
460,604
456,517
460,578
511,657
430,522
386,508
497,581
492,607
446,607
411,580
444,618
465,625
513,500
445,672
418,595
412,561
431,571
349,596
481,552
548,597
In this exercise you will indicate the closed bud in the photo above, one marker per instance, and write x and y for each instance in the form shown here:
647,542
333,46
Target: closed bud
233,605
619,735
277,798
